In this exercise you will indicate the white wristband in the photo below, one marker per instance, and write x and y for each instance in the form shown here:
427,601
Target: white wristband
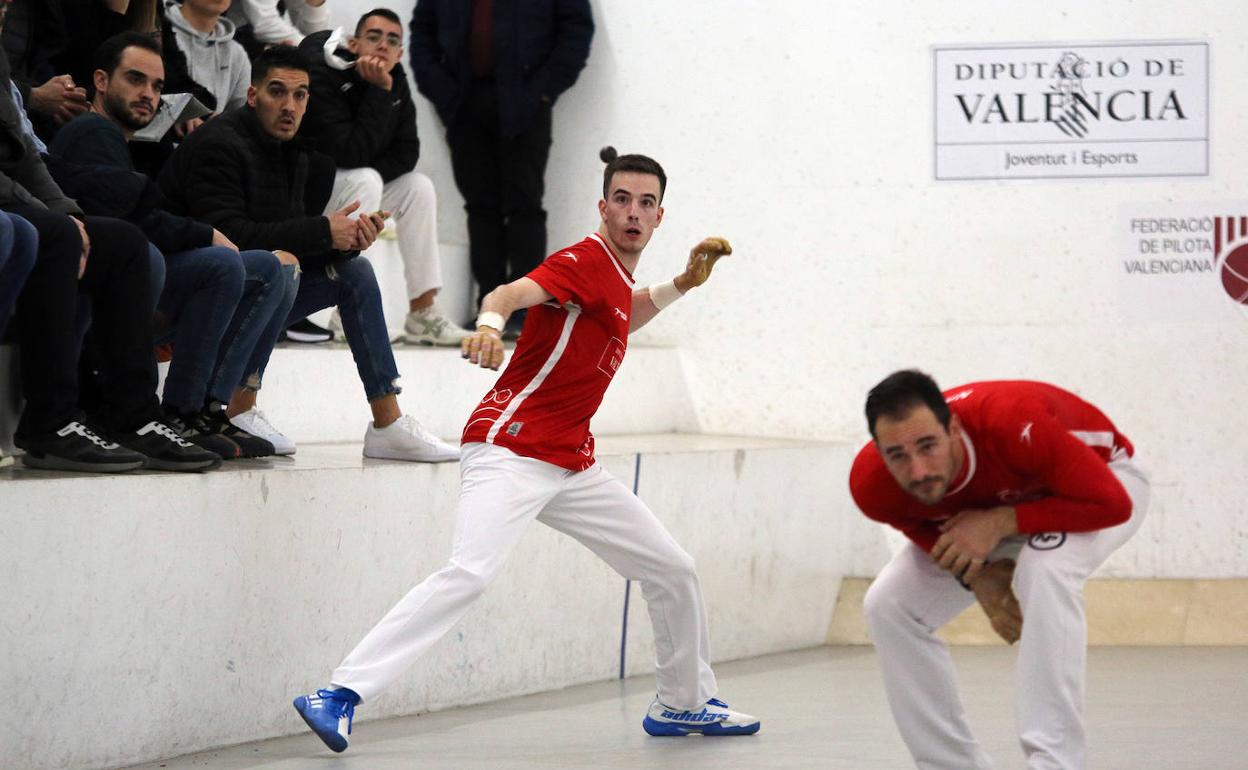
664,294
491,319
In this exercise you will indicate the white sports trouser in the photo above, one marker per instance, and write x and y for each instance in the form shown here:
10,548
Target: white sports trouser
500,494
414,207
913,596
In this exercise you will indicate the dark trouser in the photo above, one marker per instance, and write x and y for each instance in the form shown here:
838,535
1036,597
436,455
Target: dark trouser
502,180
352,286
117,280
18,249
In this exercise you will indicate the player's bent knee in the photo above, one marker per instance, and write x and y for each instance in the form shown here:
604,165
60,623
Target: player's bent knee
880,605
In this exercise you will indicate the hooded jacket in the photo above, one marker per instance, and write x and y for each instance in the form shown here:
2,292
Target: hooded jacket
358,124
213,60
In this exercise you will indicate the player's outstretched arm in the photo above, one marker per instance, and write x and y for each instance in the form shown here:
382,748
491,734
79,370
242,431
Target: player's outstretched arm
484,347
702,258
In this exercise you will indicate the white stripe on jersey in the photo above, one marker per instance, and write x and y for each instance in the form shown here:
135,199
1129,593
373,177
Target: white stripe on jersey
611,256
1103,438
970,463
573,313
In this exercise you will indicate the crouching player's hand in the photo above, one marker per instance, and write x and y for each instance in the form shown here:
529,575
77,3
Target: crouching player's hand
702,259
484,347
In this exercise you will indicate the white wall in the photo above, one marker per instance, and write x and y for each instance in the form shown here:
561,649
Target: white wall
802,130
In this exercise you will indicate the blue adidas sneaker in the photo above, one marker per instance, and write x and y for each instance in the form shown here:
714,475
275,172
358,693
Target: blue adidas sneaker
713,718
329,713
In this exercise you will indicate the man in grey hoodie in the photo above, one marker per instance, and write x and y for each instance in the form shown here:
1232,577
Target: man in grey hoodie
214,59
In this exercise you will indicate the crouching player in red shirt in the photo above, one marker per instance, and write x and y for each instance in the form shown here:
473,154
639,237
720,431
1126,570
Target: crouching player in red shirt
528,454
1012,494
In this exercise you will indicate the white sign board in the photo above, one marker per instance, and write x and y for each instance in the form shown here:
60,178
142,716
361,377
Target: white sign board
1183,261
1071,110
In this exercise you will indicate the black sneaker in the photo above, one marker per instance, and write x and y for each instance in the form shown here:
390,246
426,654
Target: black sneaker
165,449
215,421
307,332
75,447
194,428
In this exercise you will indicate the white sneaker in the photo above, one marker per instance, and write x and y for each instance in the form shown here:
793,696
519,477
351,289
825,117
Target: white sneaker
406,439
711,718
5,459
431,327
254,422
335,326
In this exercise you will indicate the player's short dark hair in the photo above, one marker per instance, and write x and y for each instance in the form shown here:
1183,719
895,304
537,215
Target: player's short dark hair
637,164
384,13
902,391
108,54
276,57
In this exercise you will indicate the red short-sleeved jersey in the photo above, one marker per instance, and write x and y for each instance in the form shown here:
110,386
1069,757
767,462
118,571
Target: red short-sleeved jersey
1031,445
568,351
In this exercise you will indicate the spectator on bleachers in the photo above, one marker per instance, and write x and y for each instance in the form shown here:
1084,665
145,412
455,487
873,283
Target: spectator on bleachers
107,259
365,119
224,306
214,59
242,173
493,70
34,33
261,23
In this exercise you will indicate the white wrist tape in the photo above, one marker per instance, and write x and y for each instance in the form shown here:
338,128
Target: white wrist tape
664,294
491,319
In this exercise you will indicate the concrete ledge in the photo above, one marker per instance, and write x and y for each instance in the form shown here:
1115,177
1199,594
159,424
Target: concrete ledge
155,614
1120,613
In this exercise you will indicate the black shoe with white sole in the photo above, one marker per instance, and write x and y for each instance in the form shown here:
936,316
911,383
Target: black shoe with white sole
165,450
214,419
307,332
192,427
76,447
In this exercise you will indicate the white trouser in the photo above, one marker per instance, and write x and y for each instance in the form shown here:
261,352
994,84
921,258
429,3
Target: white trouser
500,494
913,596
414,207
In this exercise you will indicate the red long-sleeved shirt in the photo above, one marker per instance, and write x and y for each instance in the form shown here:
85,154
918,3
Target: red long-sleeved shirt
1031,445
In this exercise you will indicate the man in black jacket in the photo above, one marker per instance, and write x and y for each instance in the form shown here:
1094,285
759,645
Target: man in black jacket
225,307
242,173
107,259
493,69
364,118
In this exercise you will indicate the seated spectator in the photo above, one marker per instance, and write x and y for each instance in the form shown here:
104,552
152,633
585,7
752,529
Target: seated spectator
202,34
261,24
365,119
107,259
224,306
34,33
241,173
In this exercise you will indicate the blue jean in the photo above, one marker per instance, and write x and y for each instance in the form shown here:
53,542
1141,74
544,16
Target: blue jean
268,294
202,290
19,246
352,286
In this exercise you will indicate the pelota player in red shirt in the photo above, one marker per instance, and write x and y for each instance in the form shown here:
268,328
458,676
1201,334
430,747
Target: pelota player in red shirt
1016,491
528,454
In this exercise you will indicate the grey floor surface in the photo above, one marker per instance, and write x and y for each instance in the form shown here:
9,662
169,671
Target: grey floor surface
1163,708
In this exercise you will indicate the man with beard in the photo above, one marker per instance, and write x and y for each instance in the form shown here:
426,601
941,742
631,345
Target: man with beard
225,308
1011,494
242,172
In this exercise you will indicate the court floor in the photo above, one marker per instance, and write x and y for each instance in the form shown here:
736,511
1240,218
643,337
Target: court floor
1158,707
